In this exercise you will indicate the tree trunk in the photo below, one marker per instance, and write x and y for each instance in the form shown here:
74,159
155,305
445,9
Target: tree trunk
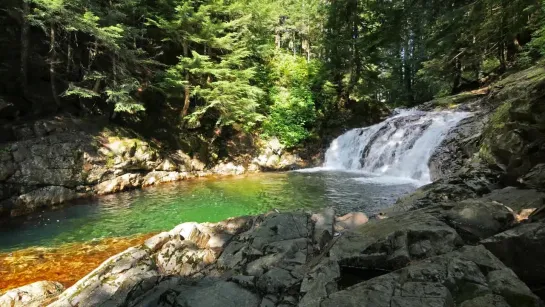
53,60
187,92
25,42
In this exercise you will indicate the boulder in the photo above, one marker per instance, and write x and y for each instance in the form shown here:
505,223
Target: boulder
114,281
521,249
461,278
121,183
34,295
522,202
393,243
458,146
219,294
474,219
42,197
535,178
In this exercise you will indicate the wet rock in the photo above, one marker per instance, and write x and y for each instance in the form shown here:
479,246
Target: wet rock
521,249
467,184
37,294
458,147
469,275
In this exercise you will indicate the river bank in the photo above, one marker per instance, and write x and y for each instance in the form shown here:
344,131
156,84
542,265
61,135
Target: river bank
473,237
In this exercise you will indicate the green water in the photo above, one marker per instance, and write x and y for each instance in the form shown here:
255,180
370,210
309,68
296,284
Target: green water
207,200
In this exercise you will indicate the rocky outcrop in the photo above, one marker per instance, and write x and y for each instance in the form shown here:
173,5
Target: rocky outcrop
419,258
57,160
521,249
274,157
33,295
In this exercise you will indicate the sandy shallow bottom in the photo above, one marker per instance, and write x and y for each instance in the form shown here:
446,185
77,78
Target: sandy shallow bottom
66,264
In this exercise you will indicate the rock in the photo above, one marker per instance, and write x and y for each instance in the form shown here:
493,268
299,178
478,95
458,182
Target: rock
121,183
350,221
393,243
183,258
43,197
220,294
113,281
469,275
522,202
37,294
468,183
320,282
157,177
476,219
535,178
521,249
276,280
156,242
458,146
229,169
323,226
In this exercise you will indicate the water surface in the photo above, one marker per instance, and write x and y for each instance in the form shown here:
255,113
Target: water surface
163,207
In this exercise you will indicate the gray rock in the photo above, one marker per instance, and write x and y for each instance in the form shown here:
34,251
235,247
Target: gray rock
323,226
535,178
276,280
121,183
458,147
320,282
43,197
113,281
394,242
469,275
183,258
521,249
474,220
517,199
36,294
220,294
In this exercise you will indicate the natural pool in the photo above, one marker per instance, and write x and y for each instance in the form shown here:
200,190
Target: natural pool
162,207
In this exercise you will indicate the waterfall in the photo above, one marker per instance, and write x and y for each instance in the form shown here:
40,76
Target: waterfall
400,146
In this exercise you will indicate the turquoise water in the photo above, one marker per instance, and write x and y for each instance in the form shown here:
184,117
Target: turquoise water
163,207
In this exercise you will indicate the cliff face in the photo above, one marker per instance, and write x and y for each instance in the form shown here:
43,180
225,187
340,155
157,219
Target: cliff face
59,159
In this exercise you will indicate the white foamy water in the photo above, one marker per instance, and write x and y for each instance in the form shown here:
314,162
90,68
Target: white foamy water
396,150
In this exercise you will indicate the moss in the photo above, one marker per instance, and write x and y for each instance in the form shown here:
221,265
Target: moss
451,102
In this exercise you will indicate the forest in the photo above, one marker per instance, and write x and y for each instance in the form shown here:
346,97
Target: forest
290,69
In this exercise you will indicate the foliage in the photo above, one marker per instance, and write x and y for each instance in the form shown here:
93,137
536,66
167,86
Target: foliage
286,68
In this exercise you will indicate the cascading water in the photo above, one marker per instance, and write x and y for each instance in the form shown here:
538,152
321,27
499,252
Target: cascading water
400,146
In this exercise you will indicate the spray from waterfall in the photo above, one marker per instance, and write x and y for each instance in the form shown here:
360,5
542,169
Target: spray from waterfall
399,147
